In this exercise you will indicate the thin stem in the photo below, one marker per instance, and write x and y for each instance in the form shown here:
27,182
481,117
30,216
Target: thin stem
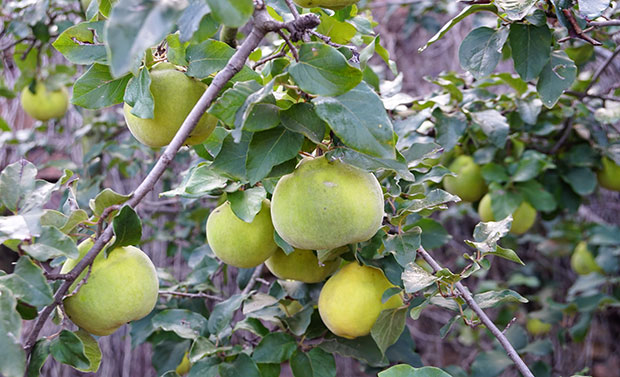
257,273
293,8
469,299
191,295
604,23
602,69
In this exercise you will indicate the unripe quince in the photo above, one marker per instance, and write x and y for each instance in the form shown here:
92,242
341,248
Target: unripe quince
330,4
323,205
609,176
350,301
184,366
43,104
238,243
174,96
120,288
582,261
537,327
522,218
468,183
301,265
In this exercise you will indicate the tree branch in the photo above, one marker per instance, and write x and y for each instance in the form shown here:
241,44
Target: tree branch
469,299
602,69
191,295
257,273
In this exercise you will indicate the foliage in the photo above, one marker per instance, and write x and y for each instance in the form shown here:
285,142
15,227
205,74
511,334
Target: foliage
538,134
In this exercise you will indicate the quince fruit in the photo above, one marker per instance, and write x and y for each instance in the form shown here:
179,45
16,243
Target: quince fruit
44,104
522,218
468,183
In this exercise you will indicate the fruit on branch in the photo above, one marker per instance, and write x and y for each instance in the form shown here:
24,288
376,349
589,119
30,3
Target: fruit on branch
468,183
330,4
582,261
238,243
323,205
522,218
301,265
609,176
350,301
120,288
174,96
537,327
45,104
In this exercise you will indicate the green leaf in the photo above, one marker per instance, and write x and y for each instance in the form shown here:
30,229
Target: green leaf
83,43
557,76
504,203
176,49
189,21
388,327
17,181
404,245
40,353
242,366
506,254
4,126
535,194
105,199
494,125
490,364
67,348
200,180
403,370
323,70
458,18
581,180
434,235
50,244
370,163
481,50
226,106
269,370
135,25
222,313
516,9
302,118
492,298
138,95
246,204
449,129
12,357
363,348
415,278
359,119
275,348
340,32
486,235
28,283
282,244
231,160
127,228
531,49
77,217
436,198
270,148
97,89
184,323
91,350
211,56
529,166
233,13
314,363
207,367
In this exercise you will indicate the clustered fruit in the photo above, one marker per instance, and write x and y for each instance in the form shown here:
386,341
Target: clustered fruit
322,205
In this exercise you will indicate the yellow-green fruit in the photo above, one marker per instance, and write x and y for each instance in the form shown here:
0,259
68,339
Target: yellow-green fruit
609,176
537,327
350,301
174,96
323,205
468,183
301,265
330,4
184,366
582,261
238,243
44,104
522,218
120,288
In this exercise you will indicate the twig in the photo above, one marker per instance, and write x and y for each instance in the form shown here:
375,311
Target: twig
191,295
328,40
290,45
602,69
568,126
293,8
513,320
586,95
253,278
469,299
269,58
575,30
604,23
